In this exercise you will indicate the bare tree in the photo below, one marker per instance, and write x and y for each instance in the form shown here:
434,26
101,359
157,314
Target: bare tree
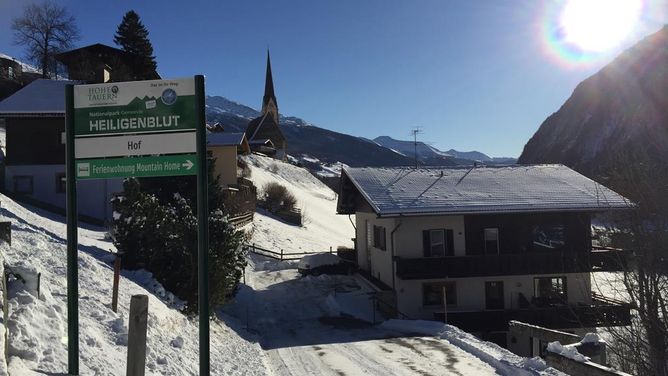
641,348
45,30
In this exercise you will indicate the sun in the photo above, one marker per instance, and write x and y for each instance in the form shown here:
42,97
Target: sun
598,25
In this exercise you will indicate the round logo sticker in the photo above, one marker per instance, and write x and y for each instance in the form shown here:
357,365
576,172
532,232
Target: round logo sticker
168,97
114,89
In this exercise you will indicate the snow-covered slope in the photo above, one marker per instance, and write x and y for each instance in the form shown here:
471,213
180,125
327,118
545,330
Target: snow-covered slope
38,326
322,227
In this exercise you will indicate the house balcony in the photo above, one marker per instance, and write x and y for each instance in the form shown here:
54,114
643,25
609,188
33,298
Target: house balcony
602,312
493,265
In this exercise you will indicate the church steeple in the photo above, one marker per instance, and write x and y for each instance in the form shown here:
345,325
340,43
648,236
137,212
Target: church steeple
269,102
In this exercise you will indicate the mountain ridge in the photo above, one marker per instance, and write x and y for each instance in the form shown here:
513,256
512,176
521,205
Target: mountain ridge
622,109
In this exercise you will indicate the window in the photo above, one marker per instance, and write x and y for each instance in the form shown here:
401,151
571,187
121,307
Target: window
23,184
432,294
548,237
491,240
63,139
10,72
494,298
61,183
379,237
550,290
438,243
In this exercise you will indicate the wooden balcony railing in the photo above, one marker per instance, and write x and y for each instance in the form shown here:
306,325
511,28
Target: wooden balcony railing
560,317
493,265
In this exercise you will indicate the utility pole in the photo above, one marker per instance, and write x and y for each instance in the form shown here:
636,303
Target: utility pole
415,131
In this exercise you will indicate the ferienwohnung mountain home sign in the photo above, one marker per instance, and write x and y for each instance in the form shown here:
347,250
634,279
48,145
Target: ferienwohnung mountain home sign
151,122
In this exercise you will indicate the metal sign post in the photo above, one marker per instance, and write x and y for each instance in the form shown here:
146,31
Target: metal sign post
136,129
72,239
202,230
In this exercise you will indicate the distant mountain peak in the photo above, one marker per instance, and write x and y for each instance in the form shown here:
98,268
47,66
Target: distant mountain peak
432,156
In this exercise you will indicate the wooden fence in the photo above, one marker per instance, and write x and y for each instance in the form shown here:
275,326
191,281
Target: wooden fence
241,220
280,254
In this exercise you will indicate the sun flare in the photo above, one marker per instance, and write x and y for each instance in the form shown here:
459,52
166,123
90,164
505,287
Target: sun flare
598,25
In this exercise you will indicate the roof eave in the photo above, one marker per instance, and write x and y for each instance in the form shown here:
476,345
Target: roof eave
31,114
498,211
368,199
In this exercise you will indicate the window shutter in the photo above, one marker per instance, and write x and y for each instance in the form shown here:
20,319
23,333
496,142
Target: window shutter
426,243
449,243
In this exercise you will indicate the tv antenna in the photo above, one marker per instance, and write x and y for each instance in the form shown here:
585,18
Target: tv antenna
415,131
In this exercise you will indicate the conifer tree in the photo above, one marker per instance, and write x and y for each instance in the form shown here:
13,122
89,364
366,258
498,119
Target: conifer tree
132,36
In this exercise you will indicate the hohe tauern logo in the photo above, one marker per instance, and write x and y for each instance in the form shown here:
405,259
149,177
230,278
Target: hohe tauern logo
103,93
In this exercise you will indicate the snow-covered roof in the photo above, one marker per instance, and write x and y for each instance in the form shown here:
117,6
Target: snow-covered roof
26,68
40,97
263,141
224,138
520,188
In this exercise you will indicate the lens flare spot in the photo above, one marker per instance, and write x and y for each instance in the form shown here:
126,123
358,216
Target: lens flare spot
580,31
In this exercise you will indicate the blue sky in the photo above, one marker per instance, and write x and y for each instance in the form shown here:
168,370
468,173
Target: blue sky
473,74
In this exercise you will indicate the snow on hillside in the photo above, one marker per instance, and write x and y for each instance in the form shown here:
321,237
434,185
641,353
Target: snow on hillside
322,227
38,325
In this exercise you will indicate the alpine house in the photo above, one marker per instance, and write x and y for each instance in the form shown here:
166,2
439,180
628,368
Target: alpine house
495,243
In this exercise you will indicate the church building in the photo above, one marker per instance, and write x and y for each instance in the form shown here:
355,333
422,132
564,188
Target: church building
264,130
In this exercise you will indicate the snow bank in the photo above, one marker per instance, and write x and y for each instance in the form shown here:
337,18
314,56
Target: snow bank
504,361
568,351
322,228
314,261
38,326
3,329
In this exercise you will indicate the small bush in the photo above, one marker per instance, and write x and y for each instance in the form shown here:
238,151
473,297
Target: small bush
273,168
245,169
277,198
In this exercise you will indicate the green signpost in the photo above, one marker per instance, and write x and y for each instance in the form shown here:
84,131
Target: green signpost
136,129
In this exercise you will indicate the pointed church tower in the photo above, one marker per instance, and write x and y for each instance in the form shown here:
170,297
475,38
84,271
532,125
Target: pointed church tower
269,103
263,132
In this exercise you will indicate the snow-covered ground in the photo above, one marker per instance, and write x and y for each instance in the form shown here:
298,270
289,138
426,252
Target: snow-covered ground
322,227
311,326
38,326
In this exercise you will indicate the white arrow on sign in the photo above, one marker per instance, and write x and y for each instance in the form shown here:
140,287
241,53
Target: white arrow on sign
138,144
189,164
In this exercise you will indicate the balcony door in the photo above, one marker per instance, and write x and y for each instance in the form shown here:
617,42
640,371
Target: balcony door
494,295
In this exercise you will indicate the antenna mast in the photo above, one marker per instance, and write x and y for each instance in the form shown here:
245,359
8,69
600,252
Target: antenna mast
415,131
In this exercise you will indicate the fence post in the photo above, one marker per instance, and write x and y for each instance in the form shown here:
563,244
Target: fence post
39,281
373,306
281,254
114,293
330,249
137,335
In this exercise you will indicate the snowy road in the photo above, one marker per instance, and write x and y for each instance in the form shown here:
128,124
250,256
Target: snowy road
295,320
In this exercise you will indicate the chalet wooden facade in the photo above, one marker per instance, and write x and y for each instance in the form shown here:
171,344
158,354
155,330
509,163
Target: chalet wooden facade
496,243
98,63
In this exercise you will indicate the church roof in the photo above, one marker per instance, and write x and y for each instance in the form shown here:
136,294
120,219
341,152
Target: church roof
264,127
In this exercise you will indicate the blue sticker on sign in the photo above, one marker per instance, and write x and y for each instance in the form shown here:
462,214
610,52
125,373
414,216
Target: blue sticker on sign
168,97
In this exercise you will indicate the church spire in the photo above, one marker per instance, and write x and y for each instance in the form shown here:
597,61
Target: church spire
269,103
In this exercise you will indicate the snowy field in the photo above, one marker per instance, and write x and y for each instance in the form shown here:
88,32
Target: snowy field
38,326
317,326
322,228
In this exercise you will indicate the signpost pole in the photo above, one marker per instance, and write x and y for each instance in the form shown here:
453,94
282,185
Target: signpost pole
202,229
72,239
